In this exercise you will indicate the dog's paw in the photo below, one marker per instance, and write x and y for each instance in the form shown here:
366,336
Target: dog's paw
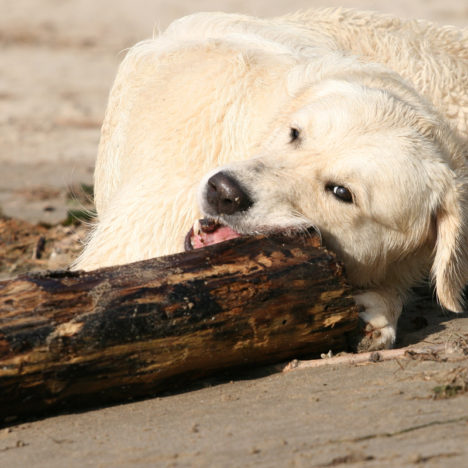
377,322
370,338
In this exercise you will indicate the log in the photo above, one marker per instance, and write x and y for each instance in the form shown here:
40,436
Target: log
70,340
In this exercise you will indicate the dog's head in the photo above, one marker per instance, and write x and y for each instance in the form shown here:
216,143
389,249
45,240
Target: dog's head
380,178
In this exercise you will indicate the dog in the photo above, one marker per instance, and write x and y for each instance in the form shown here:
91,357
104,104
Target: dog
350,122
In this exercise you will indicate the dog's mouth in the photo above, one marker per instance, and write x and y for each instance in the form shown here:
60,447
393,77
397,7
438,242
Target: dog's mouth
206,232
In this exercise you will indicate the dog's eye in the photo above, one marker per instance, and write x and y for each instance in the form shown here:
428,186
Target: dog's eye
340,192
294,134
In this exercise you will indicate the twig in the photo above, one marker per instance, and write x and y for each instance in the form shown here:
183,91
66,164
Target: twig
372,356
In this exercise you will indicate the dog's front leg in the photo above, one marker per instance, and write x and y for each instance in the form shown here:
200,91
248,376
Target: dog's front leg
379,316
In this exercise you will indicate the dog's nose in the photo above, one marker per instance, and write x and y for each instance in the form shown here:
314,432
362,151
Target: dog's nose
225,195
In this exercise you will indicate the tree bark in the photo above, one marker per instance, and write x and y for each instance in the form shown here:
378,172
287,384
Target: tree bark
80,339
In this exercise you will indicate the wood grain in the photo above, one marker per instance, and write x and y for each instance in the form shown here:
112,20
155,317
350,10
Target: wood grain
76,339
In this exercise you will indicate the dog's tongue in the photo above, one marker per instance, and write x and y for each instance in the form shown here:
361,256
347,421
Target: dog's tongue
206,232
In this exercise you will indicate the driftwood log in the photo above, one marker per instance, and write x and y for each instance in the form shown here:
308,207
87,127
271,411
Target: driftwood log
76,339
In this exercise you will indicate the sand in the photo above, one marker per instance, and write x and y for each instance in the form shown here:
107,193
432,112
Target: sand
58,60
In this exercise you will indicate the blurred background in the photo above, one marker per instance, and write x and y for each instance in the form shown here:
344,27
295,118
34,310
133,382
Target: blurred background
58,60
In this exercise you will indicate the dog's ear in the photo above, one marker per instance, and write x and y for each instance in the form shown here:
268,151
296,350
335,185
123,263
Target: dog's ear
450,267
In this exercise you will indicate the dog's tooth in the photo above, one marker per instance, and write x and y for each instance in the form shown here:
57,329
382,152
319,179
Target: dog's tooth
197,227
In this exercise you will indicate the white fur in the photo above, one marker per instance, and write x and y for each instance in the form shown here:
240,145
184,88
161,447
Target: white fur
382,109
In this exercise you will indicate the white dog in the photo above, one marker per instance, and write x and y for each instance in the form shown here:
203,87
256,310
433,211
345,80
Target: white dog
317,119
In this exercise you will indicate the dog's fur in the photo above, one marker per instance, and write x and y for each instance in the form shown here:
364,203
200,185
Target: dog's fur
379,105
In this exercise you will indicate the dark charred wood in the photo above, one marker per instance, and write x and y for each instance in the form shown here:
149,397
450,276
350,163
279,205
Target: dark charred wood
76,339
